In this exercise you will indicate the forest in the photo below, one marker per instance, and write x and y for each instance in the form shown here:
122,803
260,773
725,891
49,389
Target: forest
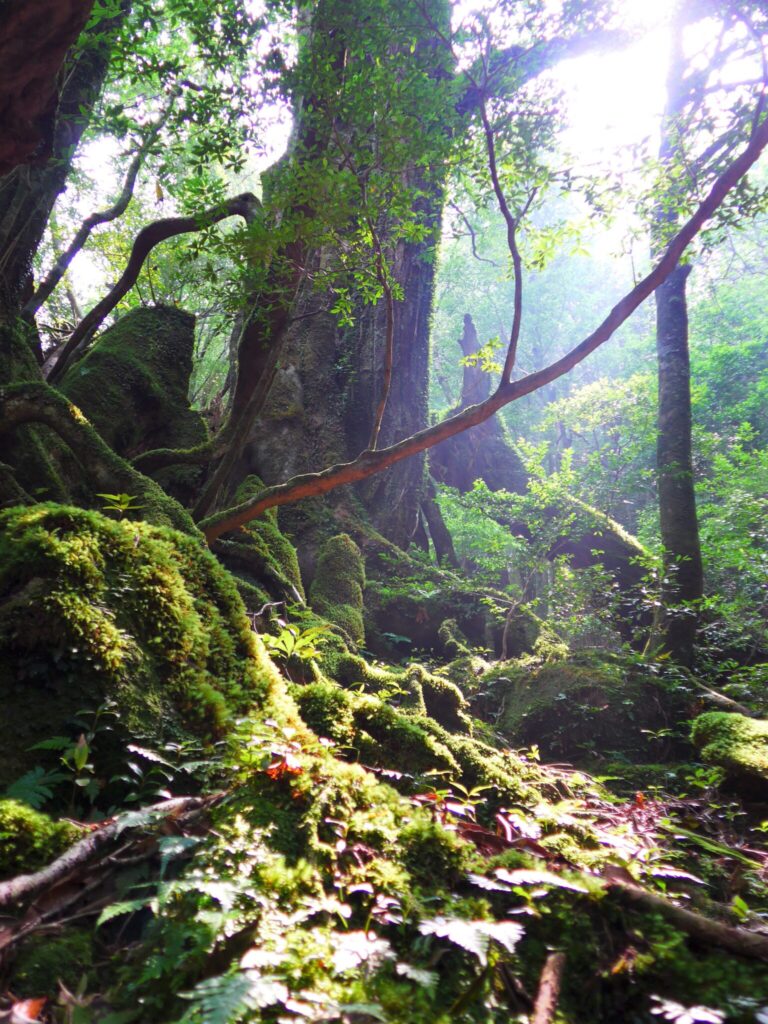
383,511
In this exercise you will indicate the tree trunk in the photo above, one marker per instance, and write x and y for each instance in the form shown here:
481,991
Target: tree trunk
683,579
682,583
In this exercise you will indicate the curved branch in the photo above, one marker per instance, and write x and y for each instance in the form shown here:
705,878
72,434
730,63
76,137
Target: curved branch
146,240
93,220
370,463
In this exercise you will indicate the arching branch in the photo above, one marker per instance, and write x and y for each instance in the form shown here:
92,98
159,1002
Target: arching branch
146,240
93,220
372,462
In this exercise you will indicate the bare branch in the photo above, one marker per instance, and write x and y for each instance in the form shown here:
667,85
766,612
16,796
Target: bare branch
146,240
369,463
472,235
549,989
93,220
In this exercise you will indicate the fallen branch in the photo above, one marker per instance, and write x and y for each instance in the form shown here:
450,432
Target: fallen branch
369,462
549,989
702,929
146,240
24,887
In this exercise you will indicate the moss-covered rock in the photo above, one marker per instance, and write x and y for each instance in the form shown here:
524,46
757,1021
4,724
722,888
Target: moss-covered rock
439,698
739,745
337,589
132,385
94,609
579,707
30,839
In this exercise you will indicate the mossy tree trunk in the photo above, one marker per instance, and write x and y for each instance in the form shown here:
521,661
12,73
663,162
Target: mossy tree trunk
330,378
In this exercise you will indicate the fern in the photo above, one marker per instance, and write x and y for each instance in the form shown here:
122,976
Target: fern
474,936
225,999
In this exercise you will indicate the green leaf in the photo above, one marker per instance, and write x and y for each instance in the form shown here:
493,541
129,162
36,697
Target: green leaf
474,936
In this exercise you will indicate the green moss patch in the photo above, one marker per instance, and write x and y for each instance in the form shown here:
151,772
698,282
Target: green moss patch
92,608
337,589
29,839
737,744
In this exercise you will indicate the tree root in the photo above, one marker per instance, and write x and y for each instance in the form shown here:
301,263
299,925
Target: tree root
702,929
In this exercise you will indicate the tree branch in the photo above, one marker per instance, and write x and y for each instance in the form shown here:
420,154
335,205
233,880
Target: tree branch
703,929
82,853
93,220
549,989
146,240
369,463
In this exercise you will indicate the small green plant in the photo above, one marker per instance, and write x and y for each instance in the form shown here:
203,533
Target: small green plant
120,503
292,642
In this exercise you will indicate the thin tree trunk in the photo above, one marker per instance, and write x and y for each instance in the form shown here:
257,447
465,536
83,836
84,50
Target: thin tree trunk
682,578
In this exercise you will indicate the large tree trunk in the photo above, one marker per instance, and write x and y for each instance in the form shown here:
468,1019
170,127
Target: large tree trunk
330,378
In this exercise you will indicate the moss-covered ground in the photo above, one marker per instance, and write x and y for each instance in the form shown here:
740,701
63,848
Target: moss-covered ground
398,843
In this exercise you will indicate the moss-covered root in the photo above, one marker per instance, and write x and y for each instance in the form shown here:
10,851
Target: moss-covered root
133,384
337,589
93,609
103,471
737,744
260,556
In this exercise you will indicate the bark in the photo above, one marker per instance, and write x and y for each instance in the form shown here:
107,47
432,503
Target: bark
27,194
34,39
702,929
549,989
438,531
683,578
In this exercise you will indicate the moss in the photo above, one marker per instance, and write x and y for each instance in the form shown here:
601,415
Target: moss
337,589
132,385
326,708
452,638
92,608
430,852
399,741
29,839
262,557
37,454
439,698
45,960
580,707
737,744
